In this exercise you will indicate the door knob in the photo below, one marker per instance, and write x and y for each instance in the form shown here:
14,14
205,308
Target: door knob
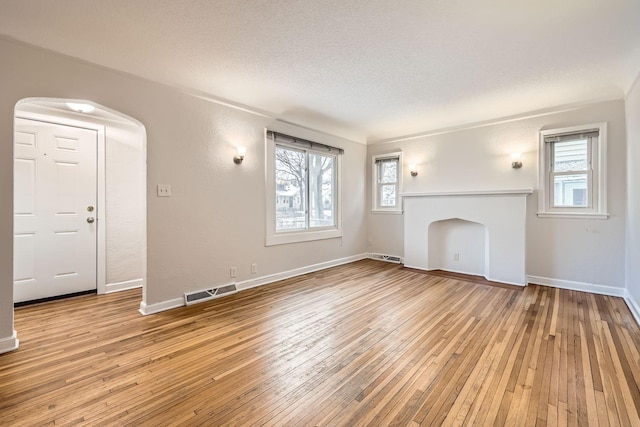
90,219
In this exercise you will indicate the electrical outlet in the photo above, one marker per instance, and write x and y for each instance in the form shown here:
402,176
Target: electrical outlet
164,190
233,272
254,268
456,256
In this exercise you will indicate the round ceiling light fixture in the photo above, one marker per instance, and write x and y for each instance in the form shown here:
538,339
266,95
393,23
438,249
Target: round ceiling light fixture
81,108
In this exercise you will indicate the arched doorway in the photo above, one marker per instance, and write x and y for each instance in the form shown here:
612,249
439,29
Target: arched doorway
113,218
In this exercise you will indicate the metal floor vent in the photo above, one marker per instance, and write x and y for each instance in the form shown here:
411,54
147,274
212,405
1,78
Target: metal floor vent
388,258
209,294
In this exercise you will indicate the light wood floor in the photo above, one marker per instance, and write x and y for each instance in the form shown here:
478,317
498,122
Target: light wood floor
367,343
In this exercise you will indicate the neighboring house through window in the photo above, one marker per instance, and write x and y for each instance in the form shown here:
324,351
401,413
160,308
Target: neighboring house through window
303,179
387,183
572,172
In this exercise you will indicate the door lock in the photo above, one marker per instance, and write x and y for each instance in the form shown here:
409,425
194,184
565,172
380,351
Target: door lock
90,208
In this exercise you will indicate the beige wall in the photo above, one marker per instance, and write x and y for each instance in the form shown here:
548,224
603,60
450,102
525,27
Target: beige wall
633,193
215,218
125,213
579,250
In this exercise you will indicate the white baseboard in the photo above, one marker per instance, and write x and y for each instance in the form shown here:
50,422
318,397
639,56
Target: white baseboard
470,274
577,286
123,286
146,309
264,280
491,279
634,308
9,343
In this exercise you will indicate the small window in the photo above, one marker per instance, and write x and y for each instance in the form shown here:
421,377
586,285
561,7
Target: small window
302,190
387,180
572,172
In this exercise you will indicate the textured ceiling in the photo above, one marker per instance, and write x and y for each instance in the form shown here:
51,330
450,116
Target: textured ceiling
364,69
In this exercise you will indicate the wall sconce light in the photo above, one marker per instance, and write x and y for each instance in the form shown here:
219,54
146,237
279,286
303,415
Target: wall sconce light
516,163
412,169
239,157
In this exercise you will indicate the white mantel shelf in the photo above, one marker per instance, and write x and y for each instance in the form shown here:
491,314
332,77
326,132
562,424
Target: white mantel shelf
470,193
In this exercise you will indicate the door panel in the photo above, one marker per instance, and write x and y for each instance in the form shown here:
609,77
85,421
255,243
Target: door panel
25,179
27,139
24,266
66,194
55,183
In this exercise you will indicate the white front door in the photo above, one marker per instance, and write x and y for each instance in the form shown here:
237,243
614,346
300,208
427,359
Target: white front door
55,229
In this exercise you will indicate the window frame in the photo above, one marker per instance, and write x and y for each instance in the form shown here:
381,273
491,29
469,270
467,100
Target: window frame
376,185
596,207
274,237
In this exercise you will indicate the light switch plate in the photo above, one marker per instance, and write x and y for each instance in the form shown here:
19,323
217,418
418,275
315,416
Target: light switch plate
164,190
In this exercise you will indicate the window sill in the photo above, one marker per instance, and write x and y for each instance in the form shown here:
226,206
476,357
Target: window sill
302,236
387,212
570,215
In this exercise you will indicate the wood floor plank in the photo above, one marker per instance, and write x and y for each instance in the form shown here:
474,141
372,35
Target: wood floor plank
367,343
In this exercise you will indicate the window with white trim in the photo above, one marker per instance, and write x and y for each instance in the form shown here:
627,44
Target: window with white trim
302,179
572,172
387,182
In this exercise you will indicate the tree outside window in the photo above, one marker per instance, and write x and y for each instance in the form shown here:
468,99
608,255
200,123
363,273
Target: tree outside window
305,196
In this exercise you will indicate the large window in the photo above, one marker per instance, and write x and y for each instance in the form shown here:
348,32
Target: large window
387,179
305,194
302,190
572,178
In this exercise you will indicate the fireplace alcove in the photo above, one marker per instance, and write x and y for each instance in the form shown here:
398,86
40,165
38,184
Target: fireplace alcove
459,246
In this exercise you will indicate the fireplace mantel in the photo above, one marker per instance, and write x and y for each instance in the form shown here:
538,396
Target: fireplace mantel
501,212
470,193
